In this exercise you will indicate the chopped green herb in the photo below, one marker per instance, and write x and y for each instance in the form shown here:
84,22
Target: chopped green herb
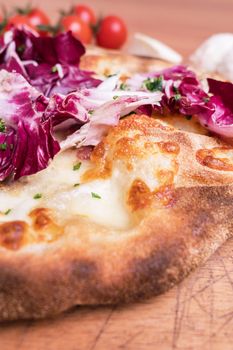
76,185
206,99
7,212
91,111
177,97
2,126
154,84
54,69
77,166
95,195
109,75
3,146
188,117
123,86
37,196
115,97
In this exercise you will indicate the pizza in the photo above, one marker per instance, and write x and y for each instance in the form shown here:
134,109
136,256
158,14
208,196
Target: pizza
110,192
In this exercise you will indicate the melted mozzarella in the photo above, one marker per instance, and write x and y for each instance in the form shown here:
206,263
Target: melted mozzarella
59,190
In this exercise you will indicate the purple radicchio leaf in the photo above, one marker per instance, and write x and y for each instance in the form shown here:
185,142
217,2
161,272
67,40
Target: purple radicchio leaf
8,140
220,120
27,138
51,64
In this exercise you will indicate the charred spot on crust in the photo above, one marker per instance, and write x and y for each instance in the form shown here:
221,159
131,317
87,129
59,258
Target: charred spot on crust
40,218
216,158
12,234
161,269
43,224
139,195
169,147
83,269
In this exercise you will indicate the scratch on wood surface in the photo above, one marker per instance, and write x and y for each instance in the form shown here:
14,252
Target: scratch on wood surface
179,312
211,322
201,307
130,339
191,295
102,328
225,269
199,291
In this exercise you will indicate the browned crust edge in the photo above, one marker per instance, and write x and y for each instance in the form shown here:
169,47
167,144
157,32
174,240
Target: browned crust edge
171,243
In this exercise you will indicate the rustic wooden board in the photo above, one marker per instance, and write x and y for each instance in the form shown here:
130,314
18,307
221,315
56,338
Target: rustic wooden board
197,314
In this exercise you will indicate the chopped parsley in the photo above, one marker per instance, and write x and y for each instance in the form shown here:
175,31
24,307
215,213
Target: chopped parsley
123,86
7,212
77,166
2,126
154,84
76,185
95,195
91,111
3,146
54,69
37,196
177,97
109,75
115,97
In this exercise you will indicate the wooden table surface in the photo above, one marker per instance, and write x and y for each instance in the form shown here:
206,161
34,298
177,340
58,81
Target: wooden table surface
197,314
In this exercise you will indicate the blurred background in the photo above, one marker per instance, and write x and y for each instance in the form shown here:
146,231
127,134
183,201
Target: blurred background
182,24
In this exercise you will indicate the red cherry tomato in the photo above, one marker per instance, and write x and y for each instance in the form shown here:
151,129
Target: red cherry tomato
18,20
112,33
86,14
80,29
37,17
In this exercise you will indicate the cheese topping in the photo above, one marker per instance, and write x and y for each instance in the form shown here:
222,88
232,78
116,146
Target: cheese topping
103,189
60,189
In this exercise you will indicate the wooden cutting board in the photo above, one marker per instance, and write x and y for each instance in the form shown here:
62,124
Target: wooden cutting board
197,314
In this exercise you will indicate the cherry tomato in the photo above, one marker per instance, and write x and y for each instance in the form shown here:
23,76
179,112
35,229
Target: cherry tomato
112,33
85,13
80,29
37,17
18,20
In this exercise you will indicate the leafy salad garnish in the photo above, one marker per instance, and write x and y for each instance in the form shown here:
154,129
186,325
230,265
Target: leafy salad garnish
43,91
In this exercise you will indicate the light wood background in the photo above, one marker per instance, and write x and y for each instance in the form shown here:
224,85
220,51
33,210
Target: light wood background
197,314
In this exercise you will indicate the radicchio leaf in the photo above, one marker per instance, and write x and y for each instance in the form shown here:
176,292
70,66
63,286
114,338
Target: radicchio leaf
51,64
106,115
28,135
7,150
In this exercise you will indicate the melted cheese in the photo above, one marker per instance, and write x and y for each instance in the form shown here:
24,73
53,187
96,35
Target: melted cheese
127,152
58,186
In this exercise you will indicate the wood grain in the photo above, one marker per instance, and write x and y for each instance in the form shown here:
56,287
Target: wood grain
197,314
